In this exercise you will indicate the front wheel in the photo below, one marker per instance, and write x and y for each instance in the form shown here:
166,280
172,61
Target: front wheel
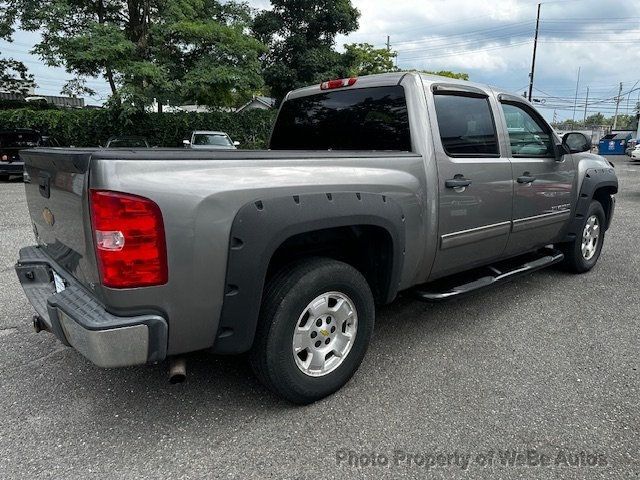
582,254
315,325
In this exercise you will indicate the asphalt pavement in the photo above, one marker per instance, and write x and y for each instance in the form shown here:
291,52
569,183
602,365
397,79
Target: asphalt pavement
537,378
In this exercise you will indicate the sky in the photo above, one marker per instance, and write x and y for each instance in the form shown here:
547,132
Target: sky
492,41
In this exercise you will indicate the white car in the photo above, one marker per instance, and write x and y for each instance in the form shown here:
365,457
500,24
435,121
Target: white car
635,153
208,140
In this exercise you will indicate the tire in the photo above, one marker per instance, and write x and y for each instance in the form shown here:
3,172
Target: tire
577,261
285,310
4,177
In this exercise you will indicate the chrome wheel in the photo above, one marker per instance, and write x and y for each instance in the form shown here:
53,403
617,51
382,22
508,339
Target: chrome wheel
324,334
590,237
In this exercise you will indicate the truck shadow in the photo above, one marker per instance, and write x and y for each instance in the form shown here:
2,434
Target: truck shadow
222,389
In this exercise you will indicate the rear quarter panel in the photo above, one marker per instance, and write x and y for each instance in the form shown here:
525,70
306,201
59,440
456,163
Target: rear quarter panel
199,200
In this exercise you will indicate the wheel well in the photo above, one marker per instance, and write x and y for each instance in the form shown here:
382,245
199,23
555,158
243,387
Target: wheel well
367,248
603,195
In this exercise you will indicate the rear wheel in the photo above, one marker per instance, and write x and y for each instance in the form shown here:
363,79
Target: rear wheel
582,254
315,326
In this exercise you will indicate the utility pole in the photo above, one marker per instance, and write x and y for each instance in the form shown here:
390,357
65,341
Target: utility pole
388,43
638,117
575,100
535,48
586,104
615,117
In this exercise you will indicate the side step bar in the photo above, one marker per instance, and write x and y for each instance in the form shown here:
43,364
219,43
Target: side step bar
462,284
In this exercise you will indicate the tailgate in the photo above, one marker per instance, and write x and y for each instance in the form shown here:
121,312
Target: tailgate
56,188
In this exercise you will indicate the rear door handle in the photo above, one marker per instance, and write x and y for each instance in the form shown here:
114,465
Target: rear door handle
457,182
526,179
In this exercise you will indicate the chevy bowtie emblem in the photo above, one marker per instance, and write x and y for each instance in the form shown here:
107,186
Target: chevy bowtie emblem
324,332
48,216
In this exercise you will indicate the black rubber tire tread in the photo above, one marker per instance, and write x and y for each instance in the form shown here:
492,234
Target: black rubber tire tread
285,296
573,259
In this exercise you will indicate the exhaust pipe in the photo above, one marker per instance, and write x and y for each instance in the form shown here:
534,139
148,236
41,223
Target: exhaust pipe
177,370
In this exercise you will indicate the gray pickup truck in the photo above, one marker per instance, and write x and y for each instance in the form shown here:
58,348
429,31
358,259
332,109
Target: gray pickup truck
372,186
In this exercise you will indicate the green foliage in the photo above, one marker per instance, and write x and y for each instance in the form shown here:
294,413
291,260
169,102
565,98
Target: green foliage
16,104
364,59
172,50
87,128
14,76
300,35
625,122
444,73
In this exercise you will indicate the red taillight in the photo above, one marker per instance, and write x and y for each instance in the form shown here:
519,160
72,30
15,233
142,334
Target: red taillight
129,239
341,83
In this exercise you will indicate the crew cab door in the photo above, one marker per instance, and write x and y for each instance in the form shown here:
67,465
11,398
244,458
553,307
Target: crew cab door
543,179
474,179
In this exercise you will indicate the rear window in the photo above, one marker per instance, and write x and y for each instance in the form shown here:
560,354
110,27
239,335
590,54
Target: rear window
357,119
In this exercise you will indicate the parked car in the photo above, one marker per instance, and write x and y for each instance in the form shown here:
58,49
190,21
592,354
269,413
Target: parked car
11,143
209,140
373,186
127,142
635,153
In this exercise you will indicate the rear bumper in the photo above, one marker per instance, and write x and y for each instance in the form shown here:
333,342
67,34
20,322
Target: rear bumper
78,320
13,168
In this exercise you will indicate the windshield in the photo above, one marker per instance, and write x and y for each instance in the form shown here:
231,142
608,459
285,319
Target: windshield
19,139
216,139
372,118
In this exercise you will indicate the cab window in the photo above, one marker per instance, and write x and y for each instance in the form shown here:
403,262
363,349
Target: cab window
466,125
528,135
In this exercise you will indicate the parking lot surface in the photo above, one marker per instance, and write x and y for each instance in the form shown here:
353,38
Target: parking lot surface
537,378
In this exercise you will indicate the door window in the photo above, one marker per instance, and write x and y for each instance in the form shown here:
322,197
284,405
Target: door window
466,125
527,134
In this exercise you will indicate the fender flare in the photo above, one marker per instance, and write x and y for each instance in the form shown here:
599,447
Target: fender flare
260,227
594,179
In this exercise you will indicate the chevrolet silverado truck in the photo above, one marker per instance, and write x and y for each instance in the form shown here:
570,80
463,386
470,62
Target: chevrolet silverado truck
372,186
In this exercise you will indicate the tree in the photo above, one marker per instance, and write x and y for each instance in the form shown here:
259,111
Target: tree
14,77
301,35
444,73
596,119
365,59
173,50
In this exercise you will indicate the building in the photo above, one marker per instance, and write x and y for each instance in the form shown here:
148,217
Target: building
260,103
69,102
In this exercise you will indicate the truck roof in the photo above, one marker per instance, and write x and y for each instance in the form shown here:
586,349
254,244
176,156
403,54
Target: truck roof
394,78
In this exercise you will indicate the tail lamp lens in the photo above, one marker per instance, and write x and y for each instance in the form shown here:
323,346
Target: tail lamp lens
129,240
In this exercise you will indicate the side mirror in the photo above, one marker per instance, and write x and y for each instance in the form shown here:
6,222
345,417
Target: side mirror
186,143
236,144
576,142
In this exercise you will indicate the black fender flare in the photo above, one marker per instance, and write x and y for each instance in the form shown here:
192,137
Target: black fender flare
594,179
260,227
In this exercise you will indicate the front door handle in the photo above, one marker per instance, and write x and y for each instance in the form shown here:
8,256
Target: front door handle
526,178
458,182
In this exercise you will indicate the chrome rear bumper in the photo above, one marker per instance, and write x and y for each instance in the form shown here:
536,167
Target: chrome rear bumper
78,320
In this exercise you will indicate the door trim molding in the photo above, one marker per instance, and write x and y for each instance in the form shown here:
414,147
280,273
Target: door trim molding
543,220
464,237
